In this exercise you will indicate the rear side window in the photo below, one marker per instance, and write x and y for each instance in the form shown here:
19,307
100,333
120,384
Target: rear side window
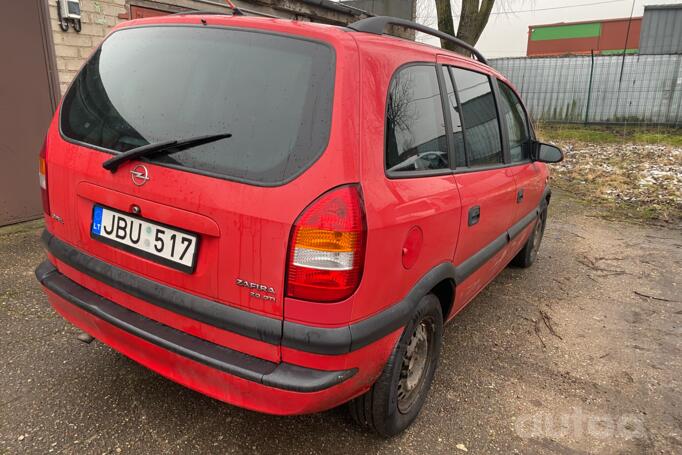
517,124
273,93
479,113
415,128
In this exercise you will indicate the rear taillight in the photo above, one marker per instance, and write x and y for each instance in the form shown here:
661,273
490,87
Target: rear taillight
42,178
327,247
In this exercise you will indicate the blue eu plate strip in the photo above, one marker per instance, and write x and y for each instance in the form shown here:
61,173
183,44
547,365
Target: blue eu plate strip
97,220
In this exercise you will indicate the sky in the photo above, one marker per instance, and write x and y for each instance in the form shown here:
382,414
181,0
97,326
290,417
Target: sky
506,34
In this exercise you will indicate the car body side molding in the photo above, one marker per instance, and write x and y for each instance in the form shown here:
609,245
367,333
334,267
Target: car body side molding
323,341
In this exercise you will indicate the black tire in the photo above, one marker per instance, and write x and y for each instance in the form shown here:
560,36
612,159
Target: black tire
529,253
394,401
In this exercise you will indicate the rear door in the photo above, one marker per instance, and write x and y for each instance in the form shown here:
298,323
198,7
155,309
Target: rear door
485,183
239,196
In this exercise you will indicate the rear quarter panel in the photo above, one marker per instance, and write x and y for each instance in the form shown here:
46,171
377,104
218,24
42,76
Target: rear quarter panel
396,205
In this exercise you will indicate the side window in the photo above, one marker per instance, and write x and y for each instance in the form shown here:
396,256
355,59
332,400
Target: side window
415,128
517,124
457,132
479,113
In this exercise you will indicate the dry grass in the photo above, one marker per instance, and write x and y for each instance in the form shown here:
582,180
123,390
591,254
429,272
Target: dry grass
636,176
610,134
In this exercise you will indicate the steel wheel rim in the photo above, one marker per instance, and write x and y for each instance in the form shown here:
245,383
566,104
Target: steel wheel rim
416,362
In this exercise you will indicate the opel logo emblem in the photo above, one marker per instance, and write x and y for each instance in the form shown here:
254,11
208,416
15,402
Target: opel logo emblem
140,175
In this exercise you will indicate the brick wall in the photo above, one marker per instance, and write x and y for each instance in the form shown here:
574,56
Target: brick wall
71,48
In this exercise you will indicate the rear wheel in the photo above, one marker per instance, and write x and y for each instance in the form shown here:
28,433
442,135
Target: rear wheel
529,253
396,398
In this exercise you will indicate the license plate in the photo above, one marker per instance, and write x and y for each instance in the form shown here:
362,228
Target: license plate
159,243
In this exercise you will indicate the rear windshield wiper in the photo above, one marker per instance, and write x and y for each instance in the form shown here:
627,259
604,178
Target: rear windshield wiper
166,147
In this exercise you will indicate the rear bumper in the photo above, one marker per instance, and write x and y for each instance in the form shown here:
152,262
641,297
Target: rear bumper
335,341
217,371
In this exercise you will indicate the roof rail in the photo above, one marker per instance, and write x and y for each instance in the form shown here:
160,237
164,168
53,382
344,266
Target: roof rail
377,25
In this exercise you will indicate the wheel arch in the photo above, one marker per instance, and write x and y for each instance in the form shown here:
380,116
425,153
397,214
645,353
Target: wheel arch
445,291
440,280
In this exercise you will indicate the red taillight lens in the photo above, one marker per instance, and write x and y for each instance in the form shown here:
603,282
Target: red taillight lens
42,178
327,247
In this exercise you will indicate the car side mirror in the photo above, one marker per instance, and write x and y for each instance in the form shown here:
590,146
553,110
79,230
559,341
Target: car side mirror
546,153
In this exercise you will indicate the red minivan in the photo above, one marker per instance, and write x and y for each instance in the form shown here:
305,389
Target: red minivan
282,215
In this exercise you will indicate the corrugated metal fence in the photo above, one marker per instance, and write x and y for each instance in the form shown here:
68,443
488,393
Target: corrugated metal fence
661,30
642,89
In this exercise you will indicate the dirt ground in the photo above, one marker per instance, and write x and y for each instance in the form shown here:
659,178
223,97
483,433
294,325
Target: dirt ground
579,354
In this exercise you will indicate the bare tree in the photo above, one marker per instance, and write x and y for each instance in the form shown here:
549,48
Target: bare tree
472,20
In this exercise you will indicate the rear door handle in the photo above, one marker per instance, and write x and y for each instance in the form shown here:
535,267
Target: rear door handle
474,215
519,196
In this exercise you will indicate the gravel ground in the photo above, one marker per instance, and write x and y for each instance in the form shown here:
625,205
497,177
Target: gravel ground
579,354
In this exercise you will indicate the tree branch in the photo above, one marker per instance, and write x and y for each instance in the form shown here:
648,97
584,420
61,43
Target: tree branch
472,21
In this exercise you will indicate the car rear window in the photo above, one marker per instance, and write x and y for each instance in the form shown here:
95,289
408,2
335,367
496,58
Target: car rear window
273,93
